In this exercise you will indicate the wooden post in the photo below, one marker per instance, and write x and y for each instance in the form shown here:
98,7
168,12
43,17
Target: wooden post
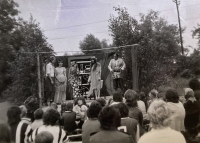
134,67
39,80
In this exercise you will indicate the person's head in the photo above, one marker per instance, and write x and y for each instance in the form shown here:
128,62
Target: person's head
5,133
131,98
44,137
142,96
182,99
23,111
189,93
109,118
13,115
117,97
73,63
63,107
38,114
159,114
194,84
123,109
80,101
172,96
50,117
52,59
94,109
93,60
101,101
60,63
69,106
153,94
116,56
54,105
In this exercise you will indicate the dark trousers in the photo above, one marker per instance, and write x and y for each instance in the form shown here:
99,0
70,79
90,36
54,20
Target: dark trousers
50,89
117,83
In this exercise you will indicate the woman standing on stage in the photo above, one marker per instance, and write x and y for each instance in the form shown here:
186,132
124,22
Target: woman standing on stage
95,78
60,83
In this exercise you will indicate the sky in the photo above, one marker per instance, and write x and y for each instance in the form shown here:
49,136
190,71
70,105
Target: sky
66,22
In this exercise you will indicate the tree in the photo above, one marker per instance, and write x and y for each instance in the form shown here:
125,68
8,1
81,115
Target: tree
90,42
196,32
23,69
158,40
8,24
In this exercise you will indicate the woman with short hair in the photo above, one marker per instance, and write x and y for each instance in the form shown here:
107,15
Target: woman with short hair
159,115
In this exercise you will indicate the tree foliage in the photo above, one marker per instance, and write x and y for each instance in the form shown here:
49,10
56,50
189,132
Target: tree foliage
196,32
23,69
8,23
158,40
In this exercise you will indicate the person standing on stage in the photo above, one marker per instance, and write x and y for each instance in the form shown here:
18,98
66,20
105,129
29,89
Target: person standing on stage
115,66
95,78
50,82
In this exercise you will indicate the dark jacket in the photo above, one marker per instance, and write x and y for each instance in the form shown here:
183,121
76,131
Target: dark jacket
68,121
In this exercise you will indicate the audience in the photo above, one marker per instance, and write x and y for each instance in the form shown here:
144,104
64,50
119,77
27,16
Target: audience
110,120
128,125
177,110
159,115
44,137
38,122
143,98
117,98
92,125
50,117
5,133
131,101
152,96
192,109
194,84
101,101
80,109
141,105
13,115
69,118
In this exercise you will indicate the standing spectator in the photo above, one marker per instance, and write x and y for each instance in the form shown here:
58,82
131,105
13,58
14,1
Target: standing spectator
128,125
152,96
143,98
92,125
159,115
131,101
44,137
192,109
23,126
110,120
13,115
141,105
117,98
69,118
38,119
5,134
194,84
50,117
177,110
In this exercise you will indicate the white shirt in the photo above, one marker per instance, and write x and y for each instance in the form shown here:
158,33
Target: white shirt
142,107
165,135
50,70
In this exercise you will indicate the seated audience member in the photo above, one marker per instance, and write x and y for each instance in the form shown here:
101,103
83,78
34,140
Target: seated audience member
159,115
50,117
80,109
38,119
143,98
23,125
13,115
141,105
131,102
101,101
92,125
117,98
63,108
69,118
192,109
128,125
44,137
110,120
152,96
5,134
54,105
194,84
177,110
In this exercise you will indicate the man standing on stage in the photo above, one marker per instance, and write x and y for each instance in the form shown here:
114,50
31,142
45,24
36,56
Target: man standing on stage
115,66
50,80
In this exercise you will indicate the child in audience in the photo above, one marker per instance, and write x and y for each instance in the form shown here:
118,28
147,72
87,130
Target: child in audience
38,119
69,118
44,137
